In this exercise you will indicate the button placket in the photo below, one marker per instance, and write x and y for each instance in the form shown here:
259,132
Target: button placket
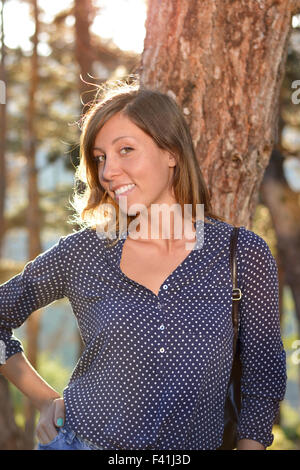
161,326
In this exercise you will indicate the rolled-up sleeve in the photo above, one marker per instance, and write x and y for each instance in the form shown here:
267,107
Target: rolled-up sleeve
263,358
41,282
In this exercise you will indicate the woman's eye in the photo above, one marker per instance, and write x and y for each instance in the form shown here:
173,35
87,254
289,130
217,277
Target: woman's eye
98,157
126,148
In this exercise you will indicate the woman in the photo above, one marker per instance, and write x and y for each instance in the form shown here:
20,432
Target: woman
154,312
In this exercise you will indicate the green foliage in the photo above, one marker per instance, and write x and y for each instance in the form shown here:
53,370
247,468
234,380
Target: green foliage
282,440
52,371
287,437
18,405
263,226
54,209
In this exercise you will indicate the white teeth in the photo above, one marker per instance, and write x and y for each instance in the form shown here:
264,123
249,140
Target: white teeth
124,188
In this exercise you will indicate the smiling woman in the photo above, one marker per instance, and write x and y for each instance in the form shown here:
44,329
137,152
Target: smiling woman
155,319
128,135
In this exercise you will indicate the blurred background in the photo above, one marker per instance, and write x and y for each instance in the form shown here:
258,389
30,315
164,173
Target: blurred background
45,48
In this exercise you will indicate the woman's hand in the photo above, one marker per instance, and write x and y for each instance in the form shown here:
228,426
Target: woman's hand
52,415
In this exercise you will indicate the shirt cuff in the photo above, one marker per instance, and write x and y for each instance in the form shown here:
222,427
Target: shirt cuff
257,418
9,345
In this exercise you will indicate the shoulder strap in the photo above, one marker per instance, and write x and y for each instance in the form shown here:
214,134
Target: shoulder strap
236,292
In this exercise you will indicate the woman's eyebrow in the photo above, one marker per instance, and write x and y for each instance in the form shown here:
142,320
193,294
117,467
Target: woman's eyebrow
115,140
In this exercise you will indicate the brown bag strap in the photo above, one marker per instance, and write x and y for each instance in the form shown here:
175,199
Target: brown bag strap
236,292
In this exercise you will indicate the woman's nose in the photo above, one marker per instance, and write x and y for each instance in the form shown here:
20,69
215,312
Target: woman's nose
110,168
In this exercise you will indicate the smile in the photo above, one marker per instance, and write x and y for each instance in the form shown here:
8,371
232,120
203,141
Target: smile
124,190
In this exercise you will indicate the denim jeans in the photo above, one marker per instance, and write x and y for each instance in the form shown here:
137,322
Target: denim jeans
66,439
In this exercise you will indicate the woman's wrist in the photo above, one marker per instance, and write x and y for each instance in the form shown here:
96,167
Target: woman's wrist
44,403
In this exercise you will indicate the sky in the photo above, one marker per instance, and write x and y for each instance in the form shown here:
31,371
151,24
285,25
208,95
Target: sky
126,28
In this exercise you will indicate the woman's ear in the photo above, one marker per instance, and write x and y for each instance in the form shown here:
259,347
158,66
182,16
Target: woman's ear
172,160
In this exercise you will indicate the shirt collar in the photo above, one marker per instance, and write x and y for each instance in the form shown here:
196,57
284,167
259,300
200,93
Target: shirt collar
194,264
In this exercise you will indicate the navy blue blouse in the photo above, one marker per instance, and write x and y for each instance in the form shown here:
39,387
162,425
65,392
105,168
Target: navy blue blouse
155,368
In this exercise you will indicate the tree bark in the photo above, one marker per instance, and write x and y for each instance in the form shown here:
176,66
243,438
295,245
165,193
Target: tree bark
295,7
11,437
223,61
85,56
2,134
84,13
33,219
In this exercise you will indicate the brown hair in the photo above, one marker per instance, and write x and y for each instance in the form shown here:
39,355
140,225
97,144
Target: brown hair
158,115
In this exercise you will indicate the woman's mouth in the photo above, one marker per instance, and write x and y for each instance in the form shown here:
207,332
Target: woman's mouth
124,190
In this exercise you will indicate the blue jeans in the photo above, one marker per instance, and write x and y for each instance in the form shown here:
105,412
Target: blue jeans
66,439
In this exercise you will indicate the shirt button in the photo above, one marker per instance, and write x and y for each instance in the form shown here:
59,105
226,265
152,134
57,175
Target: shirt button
165,286
159,305
162,327
162,350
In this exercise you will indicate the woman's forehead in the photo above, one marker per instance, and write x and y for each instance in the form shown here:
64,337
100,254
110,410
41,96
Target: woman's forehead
118,127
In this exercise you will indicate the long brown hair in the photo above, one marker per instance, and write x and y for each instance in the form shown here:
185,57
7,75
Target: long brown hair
159,116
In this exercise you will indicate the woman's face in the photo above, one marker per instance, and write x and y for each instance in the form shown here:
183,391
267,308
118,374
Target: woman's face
126,155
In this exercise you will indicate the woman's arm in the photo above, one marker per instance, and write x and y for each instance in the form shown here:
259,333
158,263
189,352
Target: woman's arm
20,372
263,359
249,444
41,282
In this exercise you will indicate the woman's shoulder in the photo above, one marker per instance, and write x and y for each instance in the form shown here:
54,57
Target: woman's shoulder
84,238
248,240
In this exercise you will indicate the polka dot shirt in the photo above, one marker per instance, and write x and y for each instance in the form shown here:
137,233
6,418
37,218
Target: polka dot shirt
155,368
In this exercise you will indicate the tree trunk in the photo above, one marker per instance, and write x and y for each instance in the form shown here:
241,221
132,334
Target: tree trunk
223,61
2,133
33,220
11,437
84,14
